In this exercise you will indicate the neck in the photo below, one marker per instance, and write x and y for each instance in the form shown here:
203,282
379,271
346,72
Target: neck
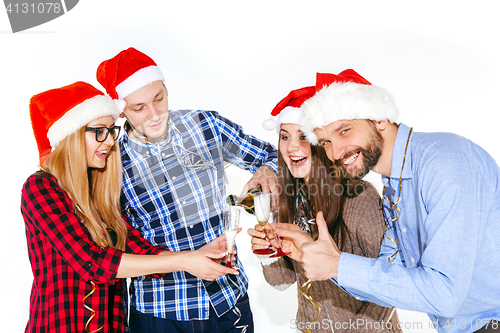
389,133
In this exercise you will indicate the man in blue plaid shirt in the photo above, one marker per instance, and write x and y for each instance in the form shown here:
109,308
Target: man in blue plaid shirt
173,185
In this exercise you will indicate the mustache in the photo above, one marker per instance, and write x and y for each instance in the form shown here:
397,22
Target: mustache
348,154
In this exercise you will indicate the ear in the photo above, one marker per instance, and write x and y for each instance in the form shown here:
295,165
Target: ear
164,86
122,115
382,125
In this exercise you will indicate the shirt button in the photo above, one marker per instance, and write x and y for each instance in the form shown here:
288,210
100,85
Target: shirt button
173,178
184,202
147,152
163,154
191,226
412,259
404,229
358,298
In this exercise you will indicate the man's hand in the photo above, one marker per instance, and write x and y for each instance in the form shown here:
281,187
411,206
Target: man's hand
266,178
320,259
293,238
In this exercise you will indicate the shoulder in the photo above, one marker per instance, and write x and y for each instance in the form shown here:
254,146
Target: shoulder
362,194
179,115
437,154
40,179
427,145
189,120
41,186
367,205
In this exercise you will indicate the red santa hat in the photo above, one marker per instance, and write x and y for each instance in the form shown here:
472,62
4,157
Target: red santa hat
345,96
58,113
288,109
127,72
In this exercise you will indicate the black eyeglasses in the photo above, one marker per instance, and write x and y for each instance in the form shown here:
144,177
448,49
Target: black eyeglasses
101,133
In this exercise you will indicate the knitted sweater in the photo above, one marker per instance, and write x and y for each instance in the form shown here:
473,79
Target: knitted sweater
340,312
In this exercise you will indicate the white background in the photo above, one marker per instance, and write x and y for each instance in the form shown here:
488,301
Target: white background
439,58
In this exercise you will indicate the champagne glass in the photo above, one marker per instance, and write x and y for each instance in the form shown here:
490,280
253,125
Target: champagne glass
231,223
262,207
275,218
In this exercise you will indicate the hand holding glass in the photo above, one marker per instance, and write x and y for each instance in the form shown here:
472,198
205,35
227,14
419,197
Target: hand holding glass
231,223
262,207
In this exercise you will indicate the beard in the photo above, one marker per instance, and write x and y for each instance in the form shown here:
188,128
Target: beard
370,154
141,133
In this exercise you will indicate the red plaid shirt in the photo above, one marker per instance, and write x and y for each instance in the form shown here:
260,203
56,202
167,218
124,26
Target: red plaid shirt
67,264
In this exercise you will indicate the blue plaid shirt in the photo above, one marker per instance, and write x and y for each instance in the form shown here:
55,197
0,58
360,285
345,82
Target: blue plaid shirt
174,194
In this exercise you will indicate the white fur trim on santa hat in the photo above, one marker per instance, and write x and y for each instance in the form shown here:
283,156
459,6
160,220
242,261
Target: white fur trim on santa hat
139,79
346,101
289,115
79,116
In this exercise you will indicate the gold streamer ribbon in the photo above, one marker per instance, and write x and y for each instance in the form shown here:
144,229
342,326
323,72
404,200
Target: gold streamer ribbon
307,285
90,309
394,204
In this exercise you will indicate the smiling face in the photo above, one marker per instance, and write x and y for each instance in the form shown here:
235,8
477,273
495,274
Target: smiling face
147,112
97,152
295,150
354,145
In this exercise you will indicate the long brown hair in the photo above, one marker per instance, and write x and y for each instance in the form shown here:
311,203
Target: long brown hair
326,192
95,192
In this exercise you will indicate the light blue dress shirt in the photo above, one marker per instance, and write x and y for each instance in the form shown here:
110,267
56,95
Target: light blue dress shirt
448,264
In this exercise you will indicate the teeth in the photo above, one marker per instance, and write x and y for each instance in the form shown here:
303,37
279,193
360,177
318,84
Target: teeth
296,158
350,159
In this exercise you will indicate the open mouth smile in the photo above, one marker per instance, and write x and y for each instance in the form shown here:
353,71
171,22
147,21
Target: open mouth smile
298,161
351,159
101,153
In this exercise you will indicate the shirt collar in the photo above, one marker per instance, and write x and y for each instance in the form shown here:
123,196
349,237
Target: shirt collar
398,154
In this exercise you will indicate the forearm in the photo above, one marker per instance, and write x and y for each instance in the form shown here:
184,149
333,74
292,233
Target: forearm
413,289
279,274
132,265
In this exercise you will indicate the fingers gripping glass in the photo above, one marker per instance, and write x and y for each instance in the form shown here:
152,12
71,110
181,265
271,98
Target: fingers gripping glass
262,207
101,133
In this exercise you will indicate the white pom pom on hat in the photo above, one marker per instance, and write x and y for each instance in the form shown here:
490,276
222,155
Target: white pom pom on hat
345,96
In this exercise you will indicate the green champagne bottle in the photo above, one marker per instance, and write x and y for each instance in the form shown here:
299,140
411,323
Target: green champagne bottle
245,201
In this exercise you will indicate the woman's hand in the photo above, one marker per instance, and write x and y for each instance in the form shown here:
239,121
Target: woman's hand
259,240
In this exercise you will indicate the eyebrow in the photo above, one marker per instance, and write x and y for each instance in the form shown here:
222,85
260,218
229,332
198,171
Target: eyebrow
142,103
342,125
101,125
339,128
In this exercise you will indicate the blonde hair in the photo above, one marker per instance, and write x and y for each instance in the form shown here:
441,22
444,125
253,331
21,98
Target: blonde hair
95,192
